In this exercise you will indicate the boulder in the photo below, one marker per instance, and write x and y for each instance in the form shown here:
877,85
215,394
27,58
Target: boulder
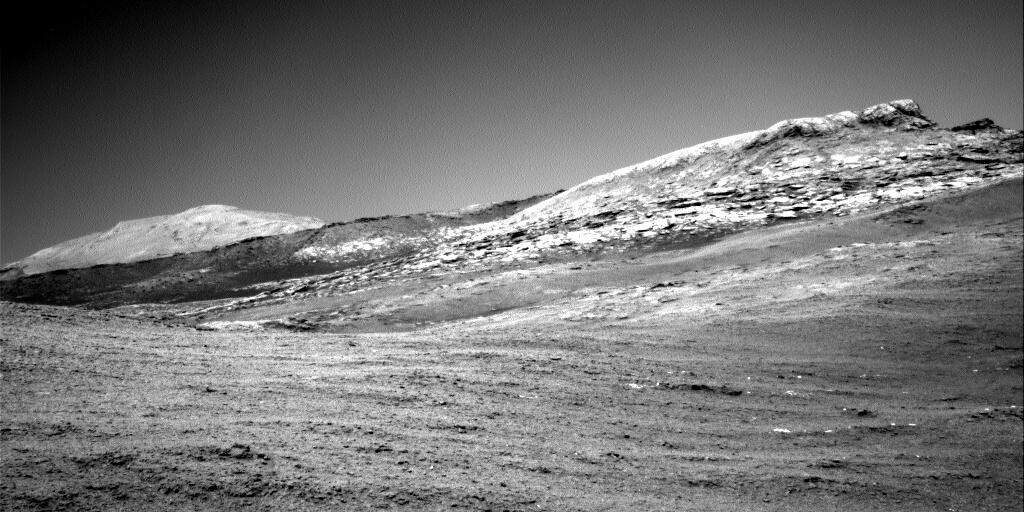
983,124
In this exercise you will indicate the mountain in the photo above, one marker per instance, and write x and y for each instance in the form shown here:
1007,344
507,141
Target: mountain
229,269
810,169
197,229
821,315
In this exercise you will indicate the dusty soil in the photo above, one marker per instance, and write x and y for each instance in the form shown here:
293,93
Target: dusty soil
870,362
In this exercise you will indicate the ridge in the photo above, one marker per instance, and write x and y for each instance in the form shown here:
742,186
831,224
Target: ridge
836,165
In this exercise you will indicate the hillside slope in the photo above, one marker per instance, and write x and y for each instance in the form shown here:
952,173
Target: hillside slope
809,169
228,270
869,361
837,165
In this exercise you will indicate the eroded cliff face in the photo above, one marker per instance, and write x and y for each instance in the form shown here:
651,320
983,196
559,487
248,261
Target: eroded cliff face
837,165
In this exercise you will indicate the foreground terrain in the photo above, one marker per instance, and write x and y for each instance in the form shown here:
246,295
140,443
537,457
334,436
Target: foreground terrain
870,361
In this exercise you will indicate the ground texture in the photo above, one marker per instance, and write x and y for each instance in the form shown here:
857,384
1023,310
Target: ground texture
865,362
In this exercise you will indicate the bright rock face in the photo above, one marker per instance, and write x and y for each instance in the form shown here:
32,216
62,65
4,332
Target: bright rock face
837,164
197,229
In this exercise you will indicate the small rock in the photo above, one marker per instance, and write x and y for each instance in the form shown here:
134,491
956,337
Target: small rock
976,126
722,191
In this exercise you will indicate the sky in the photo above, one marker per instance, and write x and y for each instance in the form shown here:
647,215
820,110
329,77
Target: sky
344,109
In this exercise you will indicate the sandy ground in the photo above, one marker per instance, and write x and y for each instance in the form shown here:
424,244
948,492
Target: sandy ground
870,363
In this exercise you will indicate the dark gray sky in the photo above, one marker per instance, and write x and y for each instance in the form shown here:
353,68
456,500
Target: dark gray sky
341,109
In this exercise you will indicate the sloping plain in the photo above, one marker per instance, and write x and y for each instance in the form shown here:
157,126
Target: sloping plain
870,360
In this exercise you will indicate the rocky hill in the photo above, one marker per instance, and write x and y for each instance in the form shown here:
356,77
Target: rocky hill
194,230
834,166
228,269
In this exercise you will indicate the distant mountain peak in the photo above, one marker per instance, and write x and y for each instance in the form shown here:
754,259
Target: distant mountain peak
210,208
197,229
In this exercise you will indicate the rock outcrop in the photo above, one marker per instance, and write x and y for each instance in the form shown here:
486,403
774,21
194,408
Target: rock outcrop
983,124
